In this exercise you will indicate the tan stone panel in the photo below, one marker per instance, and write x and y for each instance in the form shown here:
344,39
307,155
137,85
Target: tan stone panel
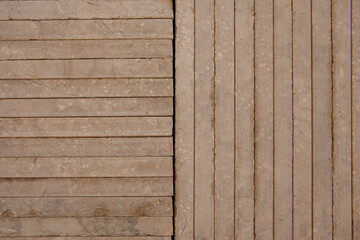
86,29
356,118
341,52
120,226
68,49
86,107
86,207
85,127
82,9
86,167
322,111
86,147
264,120
224,119
302,80
86,187
283,83
87,238
204,120
86,88
86,68
184,124
244,124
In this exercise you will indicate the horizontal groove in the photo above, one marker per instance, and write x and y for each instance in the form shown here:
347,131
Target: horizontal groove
86,19
91,196
107,97
100,58
97,117
69,39
90,217
90,177
91,156
87,78
88,39
89,116
72,137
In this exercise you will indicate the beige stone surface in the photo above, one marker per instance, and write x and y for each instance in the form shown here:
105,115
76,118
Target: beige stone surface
86,207
244,124
82,9
86,127
86,187
204,112
69,49
89,107
321,120
86,29
86,147
264,120
86,119
119,226
355,118
342,127
69,88
86,68
184,124
283,120
224,120
88,238
302,114
86,167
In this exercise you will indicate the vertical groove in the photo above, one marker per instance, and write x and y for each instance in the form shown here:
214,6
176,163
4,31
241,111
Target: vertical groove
351,118
214,161
273,137
254,120
234,119
292,116
194,122
174,118
312,122
332,119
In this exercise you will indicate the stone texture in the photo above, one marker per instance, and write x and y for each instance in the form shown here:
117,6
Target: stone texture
82,9
86,68
86,207
69,49
86,167
85,147
89,29
89,107
66,88
86,127
86,187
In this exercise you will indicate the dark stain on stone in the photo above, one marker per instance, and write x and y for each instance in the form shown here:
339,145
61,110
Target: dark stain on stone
7,213
101,212
144,209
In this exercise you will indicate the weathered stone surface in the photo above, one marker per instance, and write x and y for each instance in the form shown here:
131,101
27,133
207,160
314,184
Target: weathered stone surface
302,103
86,147
119,226
86,29
86,167
86,107
86,68
82,9
86,187
70,88
86,127
80,49
86,207
87,238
